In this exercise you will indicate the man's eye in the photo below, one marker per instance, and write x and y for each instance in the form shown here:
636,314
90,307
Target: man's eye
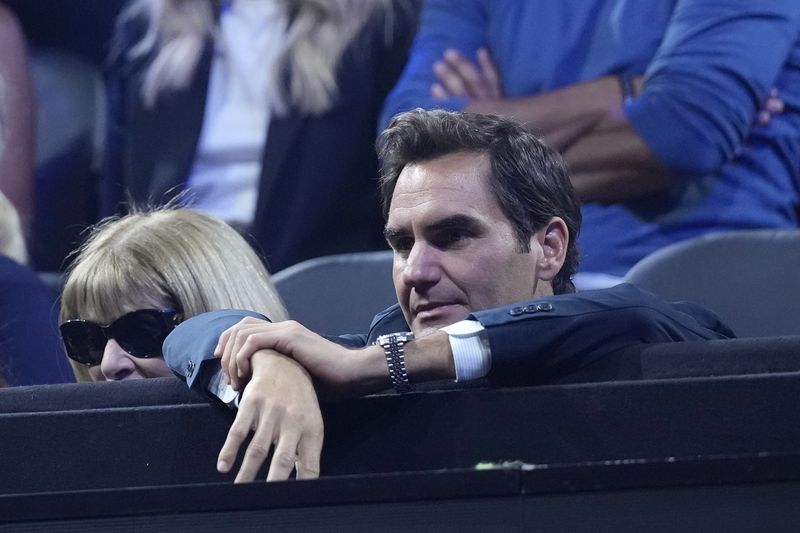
402,245
450,238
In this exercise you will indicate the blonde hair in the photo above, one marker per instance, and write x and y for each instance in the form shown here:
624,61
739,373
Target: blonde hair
185,259
304,76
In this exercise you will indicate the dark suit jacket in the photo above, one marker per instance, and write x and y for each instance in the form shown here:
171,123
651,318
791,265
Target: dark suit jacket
564,338
318,186
31,351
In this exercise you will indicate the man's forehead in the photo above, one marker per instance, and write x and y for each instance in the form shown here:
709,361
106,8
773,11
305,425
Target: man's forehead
451,183
446,170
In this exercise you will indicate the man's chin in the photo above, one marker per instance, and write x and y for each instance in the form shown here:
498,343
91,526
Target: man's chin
432,321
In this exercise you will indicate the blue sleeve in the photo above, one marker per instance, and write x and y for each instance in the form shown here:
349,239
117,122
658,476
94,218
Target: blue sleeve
31,351
716,64
458,24
194,340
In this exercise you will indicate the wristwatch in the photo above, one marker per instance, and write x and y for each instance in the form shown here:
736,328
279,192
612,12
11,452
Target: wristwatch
392,345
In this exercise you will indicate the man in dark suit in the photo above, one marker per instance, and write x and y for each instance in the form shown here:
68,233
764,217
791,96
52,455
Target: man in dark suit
482,220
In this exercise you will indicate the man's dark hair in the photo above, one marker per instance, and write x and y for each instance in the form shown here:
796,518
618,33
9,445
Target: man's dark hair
529,179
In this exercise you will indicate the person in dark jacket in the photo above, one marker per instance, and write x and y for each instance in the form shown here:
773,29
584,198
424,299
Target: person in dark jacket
482,220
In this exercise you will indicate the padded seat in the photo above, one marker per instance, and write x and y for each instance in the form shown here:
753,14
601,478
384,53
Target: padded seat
749,278
338,294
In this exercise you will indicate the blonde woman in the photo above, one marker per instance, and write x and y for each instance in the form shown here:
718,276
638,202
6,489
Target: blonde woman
138,276
266,110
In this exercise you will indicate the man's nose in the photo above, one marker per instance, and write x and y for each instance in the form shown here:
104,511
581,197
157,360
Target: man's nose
117,363
422,266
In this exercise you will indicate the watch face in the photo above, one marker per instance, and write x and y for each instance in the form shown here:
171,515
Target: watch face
397,338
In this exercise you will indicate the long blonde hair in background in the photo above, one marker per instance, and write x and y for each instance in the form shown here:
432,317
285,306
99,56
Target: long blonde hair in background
185,259
303,77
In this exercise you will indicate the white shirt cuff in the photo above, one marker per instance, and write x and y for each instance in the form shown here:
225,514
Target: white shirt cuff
469,343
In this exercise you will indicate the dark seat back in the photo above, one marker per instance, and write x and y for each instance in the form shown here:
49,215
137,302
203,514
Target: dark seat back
338,294
749,278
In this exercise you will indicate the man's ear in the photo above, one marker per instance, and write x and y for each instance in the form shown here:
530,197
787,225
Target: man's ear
553,239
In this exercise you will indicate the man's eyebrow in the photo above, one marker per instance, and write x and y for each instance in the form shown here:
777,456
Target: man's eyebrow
462,222
390,233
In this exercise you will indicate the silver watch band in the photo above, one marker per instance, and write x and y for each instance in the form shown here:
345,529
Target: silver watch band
392,345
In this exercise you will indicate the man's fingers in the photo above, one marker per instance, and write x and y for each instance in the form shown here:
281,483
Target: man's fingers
280,404
255,341
774,104
228,362
491,74
236,436
438,92
309,450
284,458
449,79
458,76
223,340
256,453
475,84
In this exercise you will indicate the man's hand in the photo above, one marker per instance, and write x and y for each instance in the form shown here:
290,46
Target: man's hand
341,370
458,76
771,107
280,406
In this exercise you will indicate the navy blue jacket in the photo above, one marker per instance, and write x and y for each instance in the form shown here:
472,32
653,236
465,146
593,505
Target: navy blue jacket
31,351
569,337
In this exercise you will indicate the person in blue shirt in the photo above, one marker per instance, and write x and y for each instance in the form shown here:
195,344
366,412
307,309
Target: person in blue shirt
652,104
31,352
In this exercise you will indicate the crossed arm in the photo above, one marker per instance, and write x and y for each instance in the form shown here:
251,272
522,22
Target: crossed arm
281,363
287,365
707,87
608,160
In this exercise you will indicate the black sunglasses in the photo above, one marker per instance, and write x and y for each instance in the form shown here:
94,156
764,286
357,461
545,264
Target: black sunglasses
140,333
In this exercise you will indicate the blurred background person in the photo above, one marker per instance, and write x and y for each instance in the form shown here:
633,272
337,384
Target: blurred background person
264,109
67,47
138,276
652,104
30,347
18,109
